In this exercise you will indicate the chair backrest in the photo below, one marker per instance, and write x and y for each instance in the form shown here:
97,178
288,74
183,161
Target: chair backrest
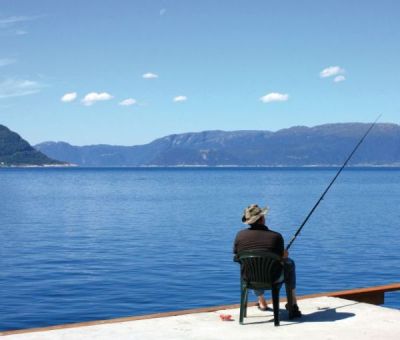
260,268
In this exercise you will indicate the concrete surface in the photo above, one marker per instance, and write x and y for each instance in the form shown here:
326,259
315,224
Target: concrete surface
323,318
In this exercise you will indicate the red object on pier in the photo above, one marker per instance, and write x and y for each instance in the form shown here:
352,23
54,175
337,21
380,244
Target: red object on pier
226,317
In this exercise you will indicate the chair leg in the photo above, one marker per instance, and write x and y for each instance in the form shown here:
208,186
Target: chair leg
275,303
242,304
246,303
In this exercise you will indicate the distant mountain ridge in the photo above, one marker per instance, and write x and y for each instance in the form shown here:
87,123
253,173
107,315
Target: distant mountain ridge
323,145
15,151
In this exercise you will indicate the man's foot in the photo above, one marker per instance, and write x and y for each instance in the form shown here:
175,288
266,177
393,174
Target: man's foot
295,313
262,304
263,308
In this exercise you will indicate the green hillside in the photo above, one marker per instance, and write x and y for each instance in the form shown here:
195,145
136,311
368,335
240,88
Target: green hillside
15,151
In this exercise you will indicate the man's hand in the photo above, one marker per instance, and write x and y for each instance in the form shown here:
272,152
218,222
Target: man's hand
285,254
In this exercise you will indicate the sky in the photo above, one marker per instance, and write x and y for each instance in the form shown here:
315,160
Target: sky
127,72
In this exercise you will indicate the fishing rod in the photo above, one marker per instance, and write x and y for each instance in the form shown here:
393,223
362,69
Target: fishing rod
330,184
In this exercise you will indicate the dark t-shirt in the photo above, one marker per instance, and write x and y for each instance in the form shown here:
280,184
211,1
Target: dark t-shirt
258,238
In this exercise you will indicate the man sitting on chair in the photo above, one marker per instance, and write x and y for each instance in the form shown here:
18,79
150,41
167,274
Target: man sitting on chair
259,237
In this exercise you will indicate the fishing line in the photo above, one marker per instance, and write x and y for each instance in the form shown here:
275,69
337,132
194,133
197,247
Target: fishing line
330,184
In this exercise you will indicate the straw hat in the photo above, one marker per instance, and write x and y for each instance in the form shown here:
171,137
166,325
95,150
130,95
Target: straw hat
252,213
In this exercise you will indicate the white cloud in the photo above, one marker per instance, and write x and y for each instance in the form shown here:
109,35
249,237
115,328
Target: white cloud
149,75
12,87
94,97
69,97
274,97
7,61
21,32
331,71
12,25
128,102
178,99
13,20
339,79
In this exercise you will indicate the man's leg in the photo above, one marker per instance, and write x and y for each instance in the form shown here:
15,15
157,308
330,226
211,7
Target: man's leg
290,283
262,303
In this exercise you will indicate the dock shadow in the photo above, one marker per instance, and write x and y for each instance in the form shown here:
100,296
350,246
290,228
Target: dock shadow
327,315
322,315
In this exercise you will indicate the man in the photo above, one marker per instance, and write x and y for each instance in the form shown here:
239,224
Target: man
259,237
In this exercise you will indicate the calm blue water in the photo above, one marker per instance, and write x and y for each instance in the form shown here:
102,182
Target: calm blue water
87,244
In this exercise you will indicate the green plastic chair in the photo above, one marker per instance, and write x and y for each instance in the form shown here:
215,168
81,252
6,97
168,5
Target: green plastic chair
260,270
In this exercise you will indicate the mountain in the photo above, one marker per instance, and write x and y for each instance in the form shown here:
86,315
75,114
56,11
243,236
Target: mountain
323,145
15,151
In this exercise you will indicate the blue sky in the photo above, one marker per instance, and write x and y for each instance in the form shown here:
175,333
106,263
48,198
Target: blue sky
181,66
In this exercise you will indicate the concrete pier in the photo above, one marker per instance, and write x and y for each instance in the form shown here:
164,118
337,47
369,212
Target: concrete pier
324,317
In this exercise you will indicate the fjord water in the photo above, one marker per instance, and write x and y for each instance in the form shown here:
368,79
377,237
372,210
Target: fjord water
86,244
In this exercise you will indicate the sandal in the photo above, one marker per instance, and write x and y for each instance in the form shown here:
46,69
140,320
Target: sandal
263,309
